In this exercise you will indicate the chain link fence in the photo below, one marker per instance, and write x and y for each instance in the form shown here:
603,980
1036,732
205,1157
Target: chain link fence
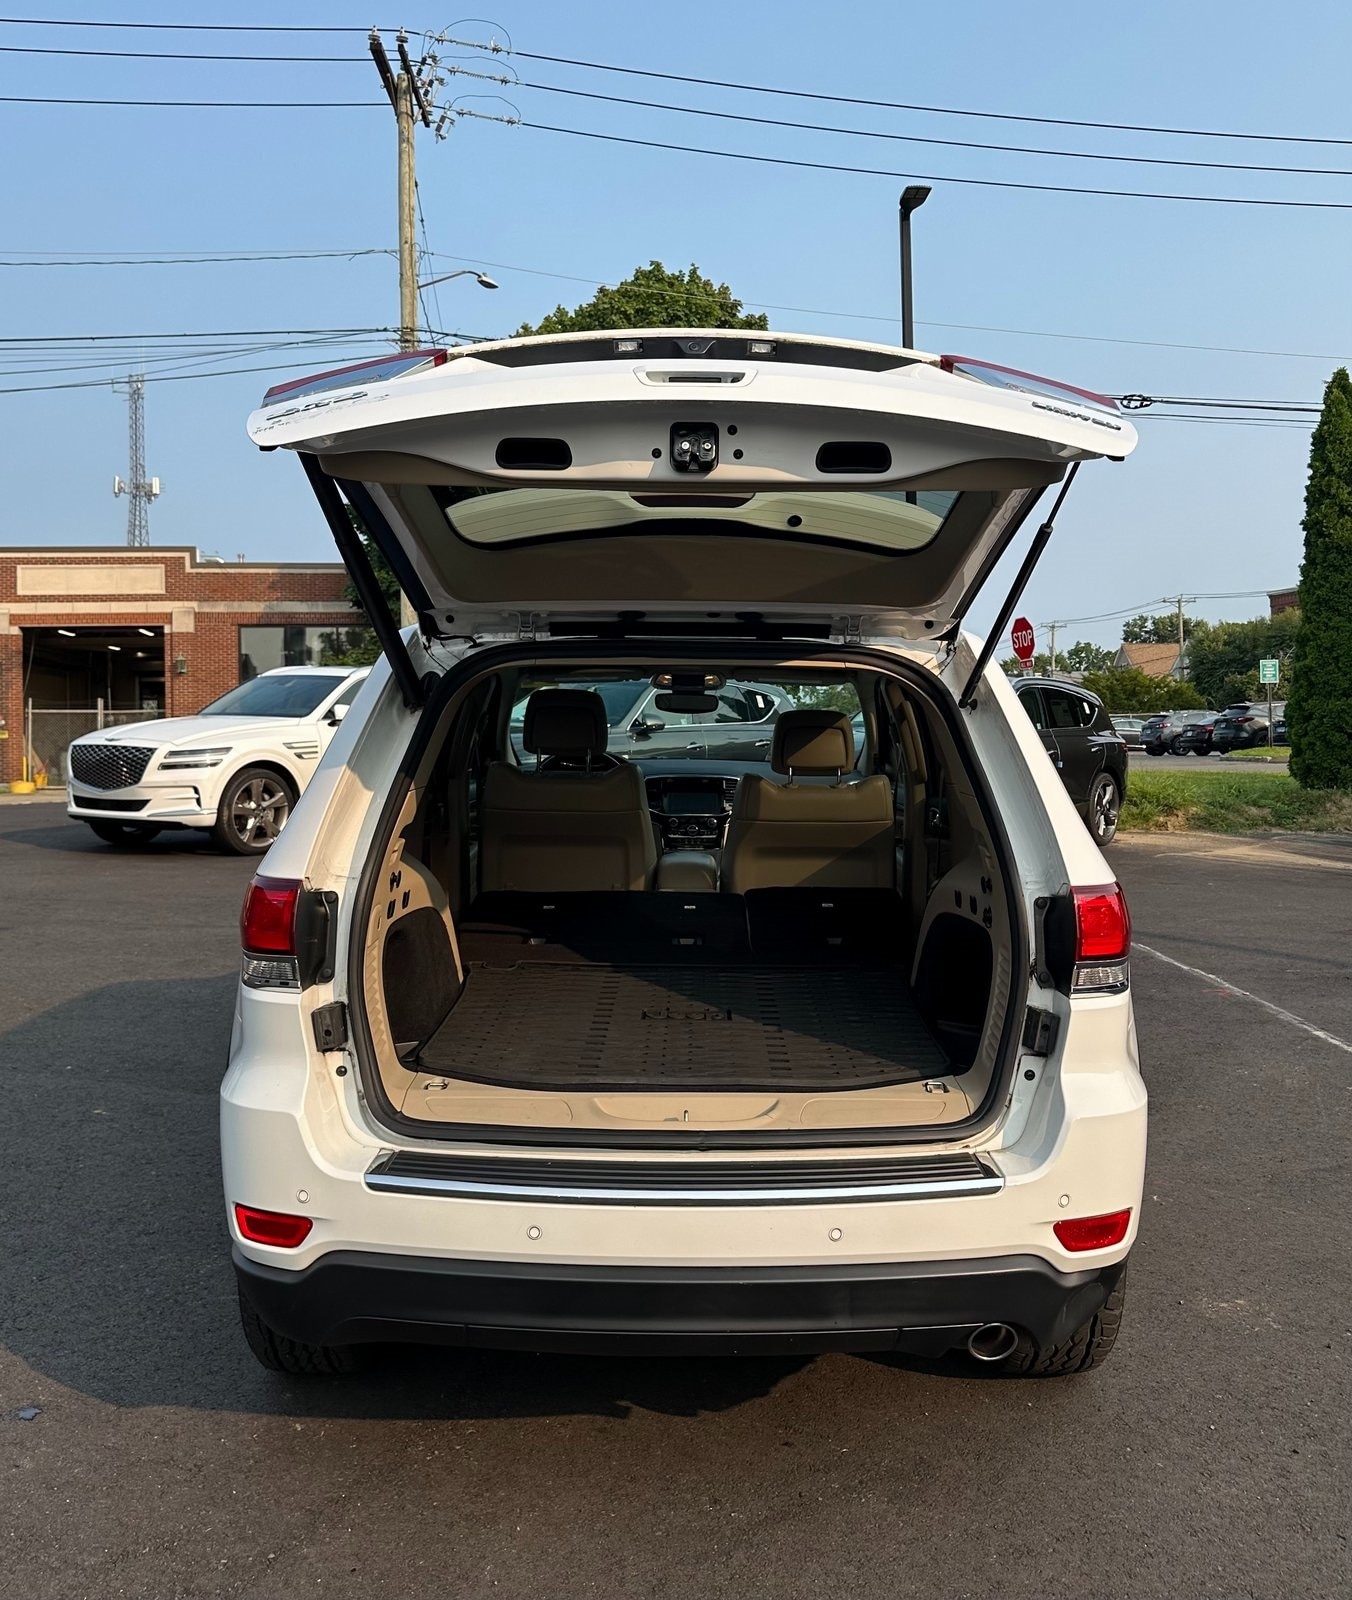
48,734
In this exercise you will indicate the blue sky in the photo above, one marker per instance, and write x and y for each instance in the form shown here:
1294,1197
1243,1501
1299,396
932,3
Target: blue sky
1199,508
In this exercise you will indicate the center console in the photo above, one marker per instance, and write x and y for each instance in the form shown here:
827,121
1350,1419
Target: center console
691,812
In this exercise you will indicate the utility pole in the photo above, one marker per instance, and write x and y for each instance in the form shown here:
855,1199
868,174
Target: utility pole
406,97
1051,631
405,93
139,489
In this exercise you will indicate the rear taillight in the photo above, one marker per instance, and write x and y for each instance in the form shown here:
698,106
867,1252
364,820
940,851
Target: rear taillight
280,1229
267,932
1093,1233
1102,940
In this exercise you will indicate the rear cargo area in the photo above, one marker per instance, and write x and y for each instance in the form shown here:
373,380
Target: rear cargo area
781,989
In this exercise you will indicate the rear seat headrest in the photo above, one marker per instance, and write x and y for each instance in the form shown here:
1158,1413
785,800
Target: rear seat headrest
565,722
813,743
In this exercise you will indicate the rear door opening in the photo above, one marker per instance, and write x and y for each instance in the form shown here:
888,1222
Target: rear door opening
851,975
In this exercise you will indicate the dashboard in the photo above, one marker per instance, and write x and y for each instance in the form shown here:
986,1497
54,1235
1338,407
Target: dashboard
691,810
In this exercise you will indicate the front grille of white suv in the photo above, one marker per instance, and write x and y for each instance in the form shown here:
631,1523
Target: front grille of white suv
109,766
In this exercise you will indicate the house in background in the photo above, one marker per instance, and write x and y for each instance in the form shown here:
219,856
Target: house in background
1155,660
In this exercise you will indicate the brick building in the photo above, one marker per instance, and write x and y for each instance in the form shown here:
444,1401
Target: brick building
116,634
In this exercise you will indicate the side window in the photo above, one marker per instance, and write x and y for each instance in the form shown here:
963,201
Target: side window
732,707
1031,701
1063,709
761,704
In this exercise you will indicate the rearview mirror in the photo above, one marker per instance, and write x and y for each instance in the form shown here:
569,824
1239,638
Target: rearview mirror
337,713
689,703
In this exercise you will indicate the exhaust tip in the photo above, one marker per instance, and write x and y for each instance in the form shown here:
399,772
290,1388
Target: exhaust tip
993,1341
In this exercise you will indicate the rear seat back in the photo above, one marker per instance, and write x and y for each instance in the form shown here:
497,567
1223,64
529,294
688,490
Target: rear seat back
565,827
800,835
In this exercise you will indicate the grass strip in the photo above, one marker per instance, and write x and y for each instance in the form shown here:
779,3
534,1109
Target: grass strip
1223,800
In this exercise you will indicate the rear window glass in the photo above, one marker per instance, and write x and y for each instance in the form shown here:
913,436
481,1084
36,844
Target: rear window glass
883,521
738,726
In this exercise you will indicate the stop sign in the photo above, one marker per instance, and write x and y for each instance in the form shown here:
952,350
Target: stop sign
1022,638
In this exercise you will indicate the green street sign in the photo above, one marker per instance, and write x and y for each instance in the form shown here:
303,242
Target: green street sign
1268,671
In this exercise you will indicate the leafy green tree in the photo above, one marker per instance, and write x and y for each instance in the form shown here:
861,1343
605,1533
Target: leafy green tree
1160,629
1080,657
1128,689
1319,708
652,297
1223,659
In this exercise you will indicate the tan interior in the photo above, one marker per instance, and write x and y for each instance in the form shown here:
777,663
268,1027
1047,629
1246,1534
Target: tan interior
558,831
571,827
836,837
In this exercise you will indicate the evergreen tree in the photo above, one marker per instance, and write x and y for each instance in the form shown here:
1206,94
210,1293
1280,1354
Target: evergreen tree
1319,708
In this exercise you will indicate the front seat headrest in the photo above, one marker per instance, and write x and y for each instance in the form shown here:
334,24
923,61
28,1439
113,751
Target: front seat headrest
812,744
565,722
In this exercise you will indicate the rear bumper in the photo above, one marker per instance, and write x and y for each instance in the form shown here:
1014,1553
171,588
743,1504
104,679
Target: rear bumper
925,1308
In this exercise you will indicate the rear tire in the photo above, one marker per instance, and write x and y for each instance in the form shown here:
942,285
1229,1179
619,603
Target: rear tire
124,835
1105,804
253,811
298,1360
1154,749
1088,1347
1178,748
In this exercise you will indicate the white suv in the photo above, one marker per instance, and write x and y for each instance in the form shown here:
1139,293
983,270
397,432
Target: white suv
236,768
515,1065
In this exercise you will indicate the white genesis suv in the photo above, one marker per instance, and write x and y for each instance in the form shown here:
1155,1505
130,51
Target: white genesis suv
816,1040
237,768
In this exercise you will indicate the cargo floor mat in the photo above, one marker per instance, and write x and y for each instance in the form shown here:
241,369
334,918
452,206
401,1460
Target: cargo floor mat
585,1027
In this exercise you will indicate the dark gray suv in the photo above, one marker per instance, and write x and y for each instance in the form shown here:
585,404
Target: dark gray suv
739,730
1089,753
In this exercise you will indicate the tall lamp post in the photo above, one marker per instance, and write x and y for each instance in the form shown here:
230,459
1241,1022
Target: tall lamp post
912,198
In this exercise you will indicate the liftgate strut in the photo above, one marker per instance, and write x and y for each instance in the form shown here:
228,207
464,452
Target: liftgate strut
967,698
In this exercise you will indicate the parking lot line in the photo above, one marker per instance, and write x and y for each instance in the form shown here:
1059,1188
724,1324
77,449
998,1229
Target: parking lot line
1245,994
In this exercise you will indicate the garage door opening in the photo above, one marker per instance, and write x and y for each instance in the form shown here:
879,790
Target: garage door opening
76,680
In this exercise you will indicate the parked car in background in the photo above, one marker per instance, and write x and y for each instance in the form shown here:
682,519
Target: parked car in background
1164,733
1242,727
1196,737
638,728
1130,729
1089,753
236,769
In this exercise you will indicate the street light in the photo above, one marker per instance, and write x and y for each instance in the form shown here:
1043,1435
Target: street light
912,198
481,278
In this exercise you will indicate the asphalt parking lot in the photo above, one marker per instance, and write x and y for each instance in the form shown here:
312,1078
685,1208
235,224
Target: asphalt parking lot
145,1454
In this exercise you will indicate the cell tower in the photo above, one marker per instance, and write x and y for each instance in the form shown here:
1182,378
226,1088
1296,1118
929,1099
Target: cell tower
139,489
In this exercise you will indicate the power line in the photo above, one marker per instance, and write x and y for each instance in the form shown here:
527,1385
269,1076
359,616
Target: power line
226,333
889,105
171,55
195,105
904,138
202,259
657,105
179,27
925,177
890,319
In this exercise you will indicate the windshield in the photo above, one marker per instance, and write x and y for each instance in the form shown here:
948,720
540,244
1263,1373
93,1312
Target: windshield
735,725
288,694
